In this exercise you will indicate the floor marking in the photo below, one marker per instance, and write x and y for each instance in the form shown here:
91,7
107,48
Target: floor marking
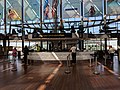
50,77
6,69
111,71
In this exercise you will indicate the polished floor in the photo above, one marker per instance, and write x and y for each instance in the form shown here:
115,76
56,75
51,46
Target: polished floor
56,76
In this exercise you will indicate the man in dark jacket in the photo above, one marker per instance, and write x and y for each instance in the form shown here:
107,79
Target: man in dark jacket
73,50
25,51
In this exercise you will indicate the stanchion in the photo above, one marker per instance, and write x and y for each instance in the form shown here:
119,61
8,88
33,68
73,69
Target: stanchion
69,62
105,59
90,60
68,65
90,65
96,70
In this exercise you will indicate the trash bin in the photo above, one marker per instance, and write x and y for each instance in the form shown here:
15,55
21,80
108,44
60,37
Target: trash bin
19,54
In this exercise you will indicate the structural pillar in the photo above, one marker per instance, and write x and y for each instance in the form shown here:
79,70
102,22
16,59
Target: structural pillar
81,42
54,14
41,12
23,32
61,22
5,28
118,43
104,16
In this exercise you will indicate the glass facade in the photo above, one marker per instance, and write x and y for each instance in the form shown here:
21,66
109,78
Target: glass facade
71,11
46,16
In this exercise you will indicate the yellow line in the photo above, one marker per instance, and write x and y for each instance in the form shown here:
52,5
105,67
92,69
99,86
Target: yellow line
6,69
49,78
109,70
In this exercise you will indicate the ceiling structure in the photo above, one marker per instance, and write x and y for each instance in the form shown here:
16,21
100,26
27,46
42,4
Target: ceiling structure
71,8
71,13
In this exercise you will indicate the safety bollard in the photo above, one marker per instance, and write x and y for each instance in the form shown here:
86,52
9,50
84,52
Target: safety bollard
105,59
95,68
90,64
69,62
68,65
90,61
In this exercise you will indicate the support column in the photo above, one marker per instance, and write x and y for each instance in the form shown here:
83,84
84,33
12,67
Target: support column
9,37
81,42
61,22
41,12
104,16
23,32
118,43
54,7
5,28
41,45
41,18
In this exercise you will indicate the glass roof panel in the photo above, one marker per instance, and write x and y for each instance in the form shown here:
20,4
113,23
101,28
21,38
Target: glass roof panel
71,8
1,9
31,9
93,8
113,7
13,10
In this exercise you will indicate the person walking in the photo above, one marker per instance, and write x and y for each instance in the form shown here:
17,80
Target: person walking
14,55
73,50
92,11
111,52
26,52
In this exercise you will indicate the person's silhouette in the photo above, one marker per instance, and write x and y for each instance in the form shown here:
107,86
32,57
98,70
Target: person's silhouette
92,11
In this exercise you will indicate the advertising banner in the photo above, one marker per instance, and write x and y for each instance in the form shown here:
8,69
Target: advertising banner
50,8
13,10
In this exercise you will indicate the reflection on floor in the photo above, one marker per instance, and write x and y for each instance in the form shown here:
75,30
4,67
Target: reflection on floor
52,76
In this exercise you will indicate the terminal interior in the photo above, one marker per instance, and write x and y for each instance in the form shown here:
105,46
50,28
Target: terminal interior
49,28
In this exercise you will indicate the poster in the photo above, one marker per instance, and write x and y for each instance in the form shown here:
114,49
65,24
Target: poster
13,10
50,9
13,15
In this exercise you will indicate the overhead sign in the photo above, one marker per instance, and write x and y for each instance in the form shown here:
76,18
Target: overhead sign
54,35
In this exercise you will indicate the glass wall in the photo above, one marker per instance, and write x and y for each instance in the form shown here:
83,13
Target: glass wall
71,11
113,7
93,8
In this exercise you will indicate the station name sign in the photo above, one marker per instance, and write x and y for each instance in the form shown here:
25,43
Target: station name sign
56,35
